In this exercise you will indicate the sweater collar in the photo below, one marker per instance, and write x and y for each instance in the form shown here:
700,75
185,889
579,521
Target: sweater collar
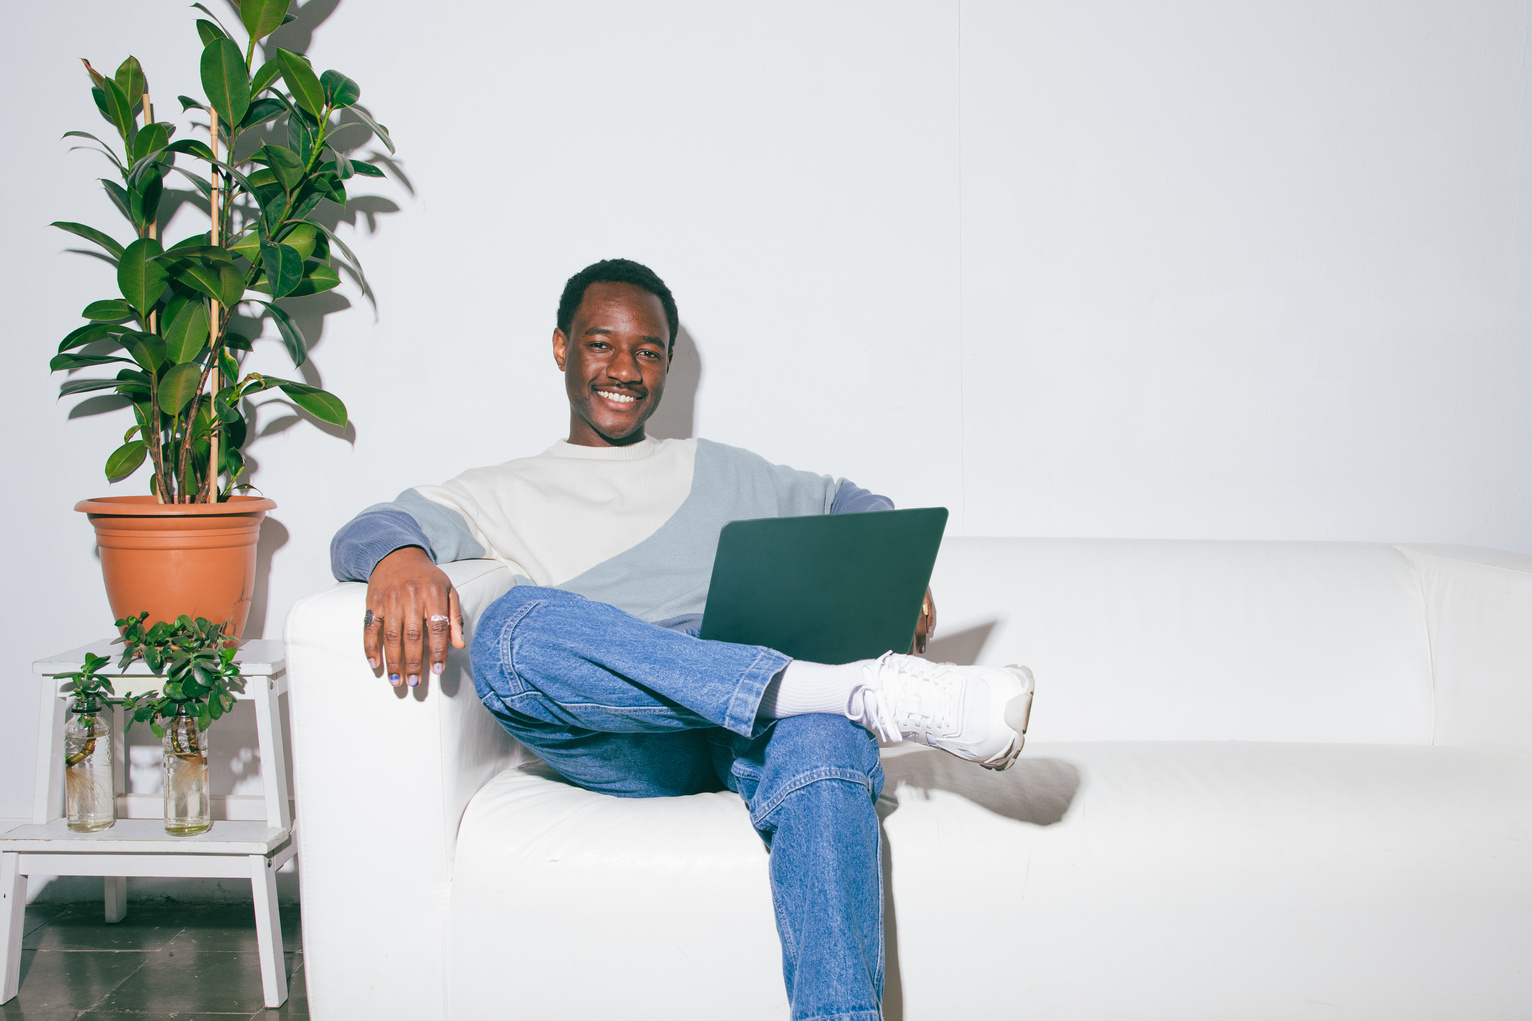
633,452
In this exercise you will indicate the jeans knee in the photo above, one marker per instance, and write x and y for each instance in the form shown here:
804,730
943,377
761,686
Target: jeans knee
818,740
490,651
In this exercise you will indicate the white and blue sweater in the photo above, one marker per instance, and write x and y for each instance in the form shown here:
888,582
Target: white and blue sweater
632,526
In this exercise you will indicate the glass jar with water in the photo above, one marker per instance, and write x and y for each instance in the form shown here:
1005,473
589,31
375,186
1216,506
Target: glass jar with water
188,804
90,802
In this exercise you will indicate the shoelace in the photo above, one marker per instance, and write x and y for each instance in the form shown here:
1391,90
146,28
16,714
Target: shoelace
912,698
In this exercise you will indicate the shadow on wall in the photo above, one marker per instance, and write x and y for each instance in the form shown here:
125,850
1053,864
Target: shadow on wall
274,536
676,418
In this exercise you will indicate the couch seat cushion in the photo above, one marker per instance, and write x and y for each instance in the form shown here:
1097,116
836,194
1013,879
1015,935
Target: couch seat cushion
1210,880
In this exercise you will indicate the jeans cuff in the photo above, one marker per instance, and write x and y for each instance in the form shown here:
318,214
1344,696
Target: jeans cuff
740,716
855,1015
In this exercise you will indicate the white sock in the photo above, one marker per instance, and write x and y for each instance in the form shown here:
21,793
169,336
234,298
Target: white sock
804,687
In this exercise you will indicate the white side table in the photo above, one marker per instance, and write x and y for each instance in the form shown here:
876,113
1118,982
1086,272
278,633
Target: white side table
241,844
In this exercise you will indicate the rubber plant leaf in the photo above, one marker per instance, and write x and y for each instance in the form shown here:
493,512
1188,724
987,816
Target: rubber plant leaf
284,269
125,460
179,386
108,310
130,79
302,82
340,90
262,17
187,335
292,337
226,80
322,405
106,241
140,277
264,76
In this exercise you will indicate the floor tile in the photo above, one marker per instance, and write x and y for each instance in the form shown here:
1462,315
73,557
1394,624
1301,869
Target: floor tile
53,981
39,915
192,980
232,927
84,927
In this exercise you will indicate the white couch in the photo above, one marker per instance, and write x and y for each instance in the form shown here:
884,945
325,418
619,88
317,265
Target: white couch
1263,780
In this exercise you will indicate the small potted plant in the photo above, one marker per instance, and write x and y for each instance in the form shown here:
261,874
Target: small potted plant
269,161
90,801
197,660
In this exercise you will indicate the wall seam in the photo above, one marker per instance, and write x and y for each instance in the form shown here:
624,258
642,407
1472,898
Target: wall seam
962,359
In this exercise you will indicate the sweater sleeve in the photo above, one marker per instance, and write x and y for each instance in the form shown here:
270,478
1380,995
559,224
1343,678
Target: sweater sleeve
410,520
852,499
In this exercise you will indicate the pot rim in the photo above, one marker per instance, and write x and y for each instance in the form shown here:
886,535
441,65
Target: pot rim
145,506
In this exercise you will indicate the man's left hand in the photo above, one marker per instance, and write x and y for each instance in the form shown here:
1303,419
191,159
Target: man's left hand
925,627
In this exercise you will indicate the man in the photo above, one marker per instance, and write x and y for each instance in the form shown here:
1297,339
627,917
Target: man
591,660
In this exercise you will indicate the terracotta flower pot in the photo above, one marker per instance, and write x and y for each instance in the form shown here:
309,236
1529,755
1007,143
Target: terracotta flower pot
191,558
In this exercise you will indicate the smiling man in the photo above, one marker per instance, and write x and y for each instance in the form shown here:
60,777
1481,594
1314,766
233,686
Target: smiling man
592,659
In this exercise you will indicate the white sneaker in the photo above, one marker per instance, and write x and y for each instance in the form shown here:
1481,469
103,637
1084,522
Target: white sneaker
974,712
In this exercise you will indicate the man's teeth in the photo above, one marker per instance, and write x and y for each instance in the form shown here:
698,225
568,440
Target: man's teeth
620,398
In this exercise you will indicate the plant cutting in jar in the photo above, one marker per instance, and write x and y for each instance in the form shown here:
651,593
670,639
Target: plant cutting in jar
270,162
197,660
89,798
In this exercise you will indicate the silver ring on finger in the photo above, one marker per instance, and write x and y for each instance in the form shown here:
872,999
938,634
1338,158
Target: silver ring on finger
369,618
438,618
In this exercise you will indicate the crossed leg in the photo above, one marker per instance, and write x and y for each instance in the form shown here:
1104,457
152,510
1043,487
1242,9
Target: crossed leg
621,706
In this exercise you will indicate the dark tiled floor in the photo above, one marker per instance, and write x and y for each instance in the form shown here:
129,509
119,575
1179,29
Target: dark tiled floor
184,961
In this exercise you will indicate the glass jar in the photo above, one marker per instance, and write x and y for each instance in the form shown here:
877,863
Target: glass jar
90,803
188,806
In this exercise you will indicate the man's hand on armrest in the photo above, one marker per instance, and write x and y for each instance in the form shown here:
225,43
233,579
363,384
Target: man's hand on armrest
413,612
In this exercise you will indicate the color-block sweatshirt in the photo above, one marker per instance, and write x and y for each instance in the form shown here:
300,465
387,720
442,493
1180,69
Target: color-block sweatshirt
632,526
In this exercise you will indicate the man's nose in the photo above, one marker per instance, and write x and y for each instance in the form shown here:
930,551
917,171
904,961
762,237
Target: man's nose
625,367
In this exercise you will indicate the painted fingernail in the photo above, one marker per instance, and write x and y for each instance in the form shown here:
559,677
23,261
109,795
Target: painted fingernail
437,668
414,680
393,679
372,663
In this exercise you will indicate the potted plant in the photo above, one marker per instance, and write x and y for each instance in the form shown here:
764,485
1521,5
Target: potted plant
197,659
268,165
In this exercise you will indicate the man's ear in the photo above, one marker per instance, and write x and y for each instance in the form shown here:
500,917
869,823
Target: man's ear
560,347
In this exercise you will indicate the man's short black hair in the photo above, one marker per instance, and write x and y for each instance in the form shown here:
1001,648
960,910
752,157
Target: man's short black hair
617,271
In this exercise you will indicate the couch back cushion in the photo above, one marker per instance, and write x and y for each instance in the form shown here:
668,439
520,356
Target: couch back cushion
1196,641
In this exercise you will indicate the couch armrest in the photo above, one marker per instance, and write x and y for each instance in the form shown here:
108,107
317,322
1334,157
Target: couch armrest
1479,617
382,776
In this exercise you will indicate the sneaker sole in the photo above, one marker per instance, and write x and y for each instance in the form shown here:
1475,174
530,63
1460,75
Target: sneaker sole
1017,712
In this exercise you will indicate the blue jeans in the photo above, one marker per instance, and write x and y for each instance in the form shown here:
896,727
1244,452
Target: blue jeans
624,707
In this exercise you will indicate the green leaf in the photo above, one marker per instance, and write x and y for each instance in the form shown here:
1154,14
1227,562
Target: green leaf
208,32
248,245
144,196
179,386
151,139
301,236
268,73
261,111
80,386
188,103
188,334
302,82
284,269
317,278
119,197
108,310
192,147
339,90
118,110
339,166
95,76
262,17
292,337
201,182
106,241
125,460
147,349
130,79
222,283
88,334
361,278
366,169
67,360
284,163
377,129
322,405
140,277
226,80
189,249
301,129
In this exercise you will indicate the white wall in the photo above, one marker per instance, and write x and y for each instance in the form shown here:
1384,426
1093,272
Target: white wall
1171,269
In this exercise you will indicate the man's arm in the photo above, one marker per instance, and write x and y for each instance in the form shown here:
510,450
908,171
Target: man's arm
412,607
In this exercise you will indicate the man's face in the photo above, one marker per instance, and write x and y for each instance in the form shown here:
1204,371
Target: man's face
614,361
